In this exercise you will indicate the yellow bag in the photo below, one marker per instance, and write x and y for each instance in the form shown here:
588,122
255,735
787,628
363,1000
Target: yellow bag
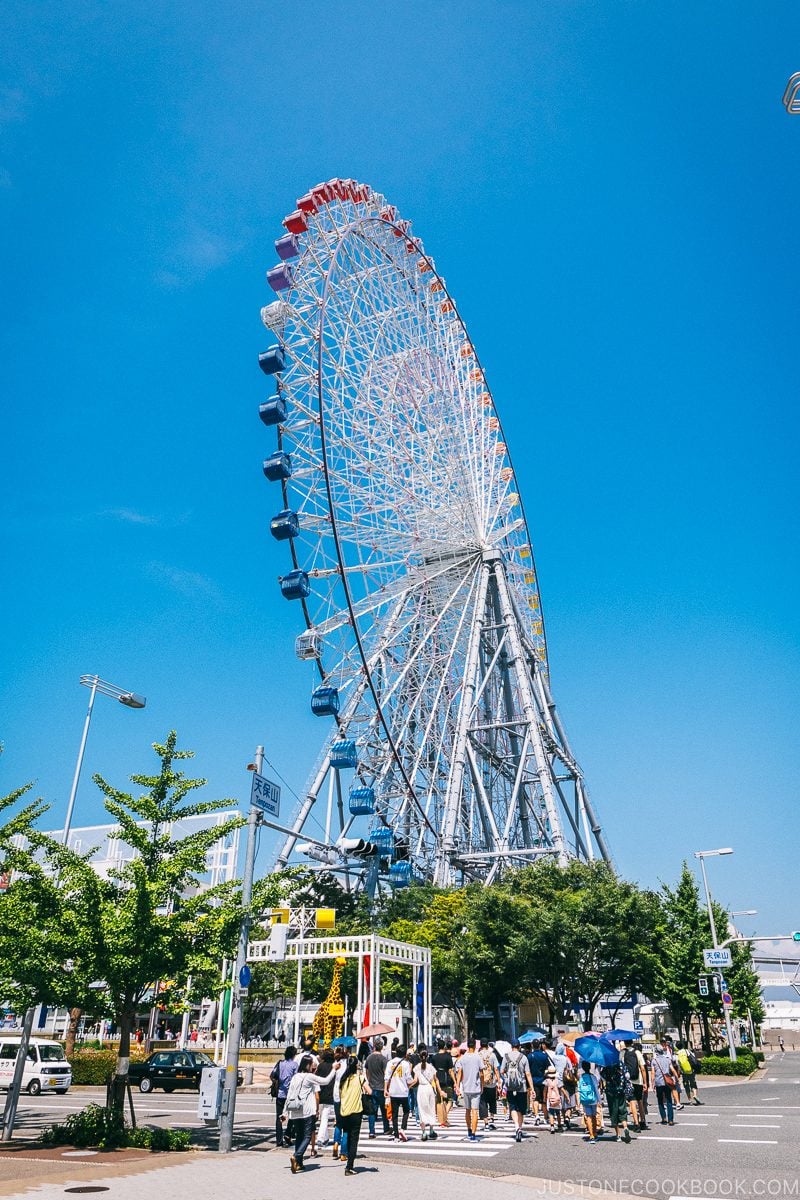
350,1095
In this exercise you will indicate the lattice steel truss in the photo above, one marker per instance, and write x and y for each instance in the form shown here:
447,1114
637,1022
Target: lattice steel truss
423,611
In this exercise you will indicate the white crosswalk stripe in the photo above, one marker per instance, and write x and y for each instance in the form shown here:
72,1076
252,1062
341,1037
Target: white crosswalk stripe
450,1142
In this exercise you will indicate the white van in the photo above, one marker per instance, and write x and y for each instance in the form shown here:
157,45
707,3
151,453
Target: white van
45,1070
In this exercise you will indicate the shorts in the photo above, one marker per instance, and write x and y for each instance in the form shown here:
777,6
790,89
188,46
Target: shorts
471,1100
589,1110
689,1081
554,1112
617,1110
518,1102
638,1092
489,1097
447,1089
538,1091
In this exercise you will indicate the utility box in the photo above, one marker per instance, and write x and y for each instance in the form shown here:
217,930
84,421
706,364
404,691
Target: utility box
210,1100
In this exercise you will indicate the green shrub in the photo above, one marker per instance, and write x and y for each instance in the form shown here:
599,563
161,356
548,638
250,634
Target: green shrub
92,1126
91,1066
715,1064
106,1129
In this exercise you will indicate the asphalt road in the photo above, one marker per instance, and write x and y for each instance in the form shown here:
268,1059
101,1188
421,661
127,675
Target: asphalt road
743,1141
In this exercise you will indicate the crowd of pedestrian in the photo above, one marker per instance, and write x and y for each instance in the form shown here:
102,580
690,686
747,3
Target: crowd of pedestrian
321,1099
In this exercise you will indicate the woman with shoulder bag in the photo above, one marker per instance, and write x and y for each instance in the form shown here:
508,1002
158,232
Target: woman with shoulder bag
351,1102
664,1078
301,1106
428,1094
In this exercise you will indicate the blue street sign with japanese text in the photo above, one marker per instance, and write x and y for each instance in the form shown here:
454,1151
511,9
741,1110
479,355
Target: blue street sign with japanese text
266,795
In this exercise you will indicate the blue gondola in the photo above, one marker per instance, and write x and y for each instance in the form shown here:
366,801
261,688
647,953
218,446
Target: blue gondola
383,838
295,585
280,278
272,412
362,801
325,701
285,525
273,360
287,246
344,754
278,466
400,873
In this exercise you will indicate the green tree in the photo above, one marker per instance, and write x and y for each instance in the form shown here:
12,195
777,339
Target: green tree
150,921
589,934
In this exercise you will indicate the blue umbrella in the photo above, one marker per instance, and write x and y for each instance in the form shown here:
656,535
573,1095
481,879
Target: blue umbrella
344,1041
596,1050
621,1035
531,1035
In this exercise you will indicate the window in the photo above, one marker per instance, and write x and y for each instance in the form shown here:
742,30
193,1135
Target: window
161,1060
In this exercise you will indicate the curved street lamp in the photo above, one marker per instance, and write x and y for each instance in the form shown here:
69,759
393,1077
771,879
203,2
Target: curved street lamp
126,697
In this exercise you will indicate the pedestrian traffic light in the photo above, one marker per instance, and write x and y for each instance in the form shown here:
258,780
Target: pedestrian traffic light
796,935
703,984
715,981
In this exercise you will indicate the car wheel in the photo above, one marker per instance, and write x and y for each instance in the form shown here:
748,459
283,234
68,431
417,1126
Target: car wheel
168,1088
34,1087
145,1085
61,1091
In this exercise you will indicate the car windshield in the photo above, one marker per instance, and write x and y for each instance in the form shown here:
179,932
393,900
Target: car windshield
203,1058
51,1054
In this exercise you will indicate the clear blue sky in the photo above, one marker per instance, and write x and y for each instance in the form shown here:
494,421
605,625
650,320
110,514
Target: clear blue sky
611,191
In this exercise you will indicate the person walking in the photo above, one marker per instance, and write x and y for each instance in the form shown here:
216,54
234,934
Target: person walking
490,1081
617,1085
589,1097
442,1060
427,1093
282,1074
634,1065
688,1065
375,1072
352,1110
519,1087
326,1113
339,1136
469,1086
397,1080
302,1102
781,1044
538,1062
553,1100
664,1077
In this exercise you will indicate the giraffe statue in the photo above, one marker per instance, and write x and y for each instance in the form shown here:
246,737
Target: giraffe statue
326,1027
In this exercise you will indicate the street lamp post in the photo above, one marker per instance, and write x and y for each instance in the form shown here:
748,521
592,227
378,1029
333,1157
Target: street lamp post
703,855
95,685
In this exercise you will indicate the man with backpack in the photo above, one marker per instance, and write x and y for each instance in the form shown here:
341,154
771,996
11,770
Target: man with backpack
519,1085
637,1073
688,1065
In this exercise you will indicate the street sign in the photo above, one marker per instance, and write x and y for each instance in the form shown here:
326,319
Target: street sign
245,975
727,998
266,795
638,1026
715,959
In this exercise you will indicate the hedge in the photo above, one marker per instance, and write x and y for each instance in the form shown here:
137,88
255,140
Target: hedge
714,1064
94,1066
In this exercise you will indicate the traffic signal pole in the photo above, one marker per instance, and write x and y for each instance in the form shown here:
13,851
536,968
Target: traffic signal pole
237,988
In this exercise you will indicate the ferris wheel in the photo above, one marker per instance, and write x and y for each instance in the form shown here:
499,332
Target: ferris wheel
410,562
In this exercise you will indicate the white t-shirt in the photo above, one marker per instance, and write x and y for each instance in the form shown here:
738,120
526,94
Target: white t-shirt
398,1076
339,1069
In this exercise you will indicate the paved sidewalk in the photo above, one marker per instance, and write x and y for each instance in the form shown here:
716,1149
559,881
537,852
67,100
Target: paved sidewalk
256,1176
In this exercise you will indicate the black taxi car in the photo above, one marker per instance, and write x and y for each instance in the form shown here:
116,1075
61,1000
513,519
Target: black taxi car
170,1069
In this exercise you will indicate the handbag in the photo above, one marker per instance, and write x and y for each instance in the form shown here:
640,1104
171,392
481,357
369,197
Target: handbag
368,1104
274,1082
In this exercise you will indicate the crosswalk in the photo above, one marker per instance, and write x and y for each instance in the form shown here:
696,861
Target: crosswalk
449,1143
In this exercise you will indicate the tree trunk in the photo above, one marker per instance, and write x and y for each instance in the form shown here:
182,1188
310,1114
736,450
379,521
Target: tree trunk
706,1034
120,1081
72,1031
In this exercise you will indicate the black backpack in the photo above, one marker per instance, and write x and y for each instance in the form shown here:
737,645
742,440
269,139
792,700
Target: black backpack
632,1065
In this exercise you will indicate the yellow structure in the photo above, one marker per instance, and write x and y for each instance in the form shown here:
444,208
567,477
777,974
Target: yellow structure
329,1018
